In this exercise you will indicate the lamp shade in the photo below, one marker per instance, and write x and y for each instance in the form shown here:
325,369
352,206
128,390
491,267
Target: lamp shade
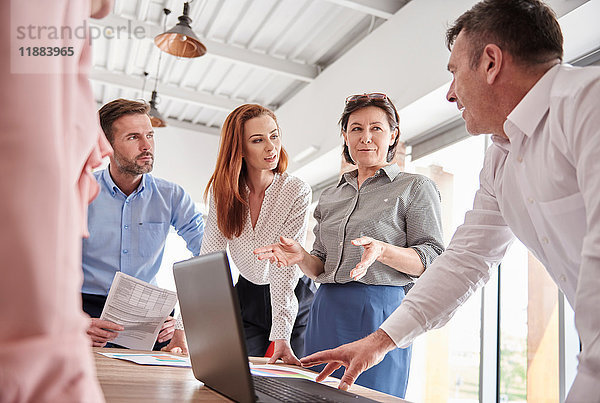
181,41
156,119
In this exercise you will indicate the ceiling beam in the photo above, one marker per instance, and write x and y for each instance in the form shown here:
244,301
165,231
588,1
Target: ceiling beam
379,8
121,27
122,80
182,124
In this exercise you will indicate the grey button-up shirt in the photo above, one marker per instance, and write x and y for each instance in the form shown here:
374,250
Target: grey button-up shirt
392,206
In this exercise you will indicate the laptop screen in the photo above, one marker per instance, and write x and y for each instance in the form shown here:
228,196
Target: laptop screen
210,312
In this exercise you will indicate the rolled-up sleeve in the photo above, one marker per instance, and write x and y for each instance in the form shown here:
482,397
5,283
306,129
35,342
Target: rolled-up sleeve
318,248
424,223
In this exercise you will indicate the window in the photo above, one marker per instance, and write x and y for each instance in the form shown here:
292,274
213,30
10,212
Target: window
527,340
445,362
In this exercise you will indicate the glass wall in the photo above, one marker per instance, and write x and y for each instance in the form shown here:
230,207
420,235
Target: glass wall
445,362
513,324
533,332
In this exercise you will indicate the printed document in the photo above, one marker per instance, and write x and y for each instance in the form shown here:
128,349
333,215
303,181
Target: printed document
139,307
161,359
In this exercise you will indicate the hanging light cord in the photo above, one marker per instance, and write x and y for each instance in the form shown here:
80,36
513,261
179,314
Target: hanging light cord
144,83
167,12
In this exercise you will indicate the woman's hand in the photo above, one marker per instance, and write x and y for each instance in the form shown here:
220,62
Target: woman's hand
167,329
285,253
282,350
288,253
373,251
177,344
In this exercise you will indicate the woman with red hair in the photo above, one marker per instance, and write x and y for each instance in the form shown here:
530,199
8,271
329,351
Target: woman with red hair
252,202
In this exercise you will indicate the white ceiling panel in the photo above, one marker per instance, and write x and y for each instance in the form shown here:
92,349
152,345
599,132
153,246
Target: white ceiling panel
259,51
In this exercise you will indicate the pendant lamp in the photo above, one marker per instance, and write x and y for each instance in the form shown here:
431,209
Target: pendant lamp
181,41
156,118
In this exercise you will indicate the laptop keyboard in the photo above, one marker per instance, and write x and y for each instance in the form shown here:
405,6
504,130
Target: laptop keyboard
284,392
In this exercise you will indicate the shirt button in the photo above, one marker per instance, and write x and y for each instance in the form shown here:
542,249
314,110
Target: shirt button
520,159
563,278
127,201
125,250
530,200
341,243
126,226
545,240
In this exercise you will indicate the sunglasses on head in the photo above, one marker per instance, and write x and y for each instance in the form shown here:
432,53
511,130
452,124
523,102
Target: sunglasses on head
366,97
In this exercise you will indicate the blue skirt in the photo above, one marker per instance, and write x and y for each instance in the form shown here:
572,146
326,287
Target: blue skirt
343,313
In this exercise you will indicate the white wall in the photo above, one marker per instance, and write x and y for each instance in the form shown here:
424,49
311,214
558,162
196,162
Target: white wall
185,157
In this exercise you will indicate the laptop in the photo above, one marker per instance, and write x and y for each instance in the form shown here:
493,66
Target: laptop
215,336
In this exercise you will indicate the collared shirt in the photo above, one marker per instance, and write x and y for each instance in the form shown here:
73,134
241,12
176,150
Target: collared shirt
544,187
128,233
284,212
399,208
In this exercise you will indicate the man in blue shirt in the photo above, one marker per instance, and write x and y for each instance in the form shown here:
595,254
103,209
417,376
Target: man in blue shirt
130,219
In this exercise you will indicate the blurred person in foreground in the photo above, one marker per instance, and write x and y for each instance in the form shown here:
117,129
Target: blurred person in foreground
49,142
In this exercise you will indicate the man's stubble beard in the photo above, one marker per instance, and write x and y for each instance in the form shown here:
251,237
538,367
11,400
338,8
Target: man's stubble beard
131,167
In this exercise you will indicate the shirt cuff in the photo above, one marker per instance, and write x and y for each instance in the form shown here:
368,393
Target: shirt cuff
179,323
401,327
281,331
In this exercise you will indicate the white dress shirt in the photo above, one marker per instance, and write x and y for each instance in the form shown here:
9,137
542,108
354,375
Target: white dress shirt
542,186
284,212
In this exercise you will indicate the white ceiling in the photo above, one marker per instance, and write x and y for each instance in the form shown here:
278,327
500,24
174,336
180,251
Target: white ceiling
299,57
261,51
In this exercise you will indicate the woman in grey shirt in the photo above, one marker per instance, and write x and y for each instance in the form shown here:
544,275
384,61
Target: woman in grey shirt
395,217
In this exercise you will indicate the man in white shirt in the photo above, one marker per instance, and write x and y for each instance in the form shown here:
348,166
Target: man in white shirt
540,182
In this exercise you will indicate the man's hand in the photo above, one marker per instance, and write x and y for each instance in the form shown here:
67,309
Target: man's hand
357,357
373,251
103,331
285,253
283,350
177,344
166,331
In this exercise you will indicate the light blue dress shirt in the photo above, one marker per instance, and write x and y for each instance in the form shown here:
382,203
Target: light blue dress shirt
128,233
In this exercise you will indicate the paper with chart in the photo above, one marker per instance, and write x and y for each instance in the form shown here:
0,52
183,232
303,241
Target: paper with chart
161,359
288,371
280,371
139,307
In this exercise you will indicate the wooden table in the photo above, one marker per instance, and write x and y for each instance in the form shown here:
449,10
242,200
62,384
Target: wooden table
124,381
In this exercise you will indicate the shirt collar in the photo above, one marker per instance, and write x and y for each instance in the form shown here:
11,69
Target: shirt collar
347,176
114,189
501,142
531,110
143,184
391,172
108,182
